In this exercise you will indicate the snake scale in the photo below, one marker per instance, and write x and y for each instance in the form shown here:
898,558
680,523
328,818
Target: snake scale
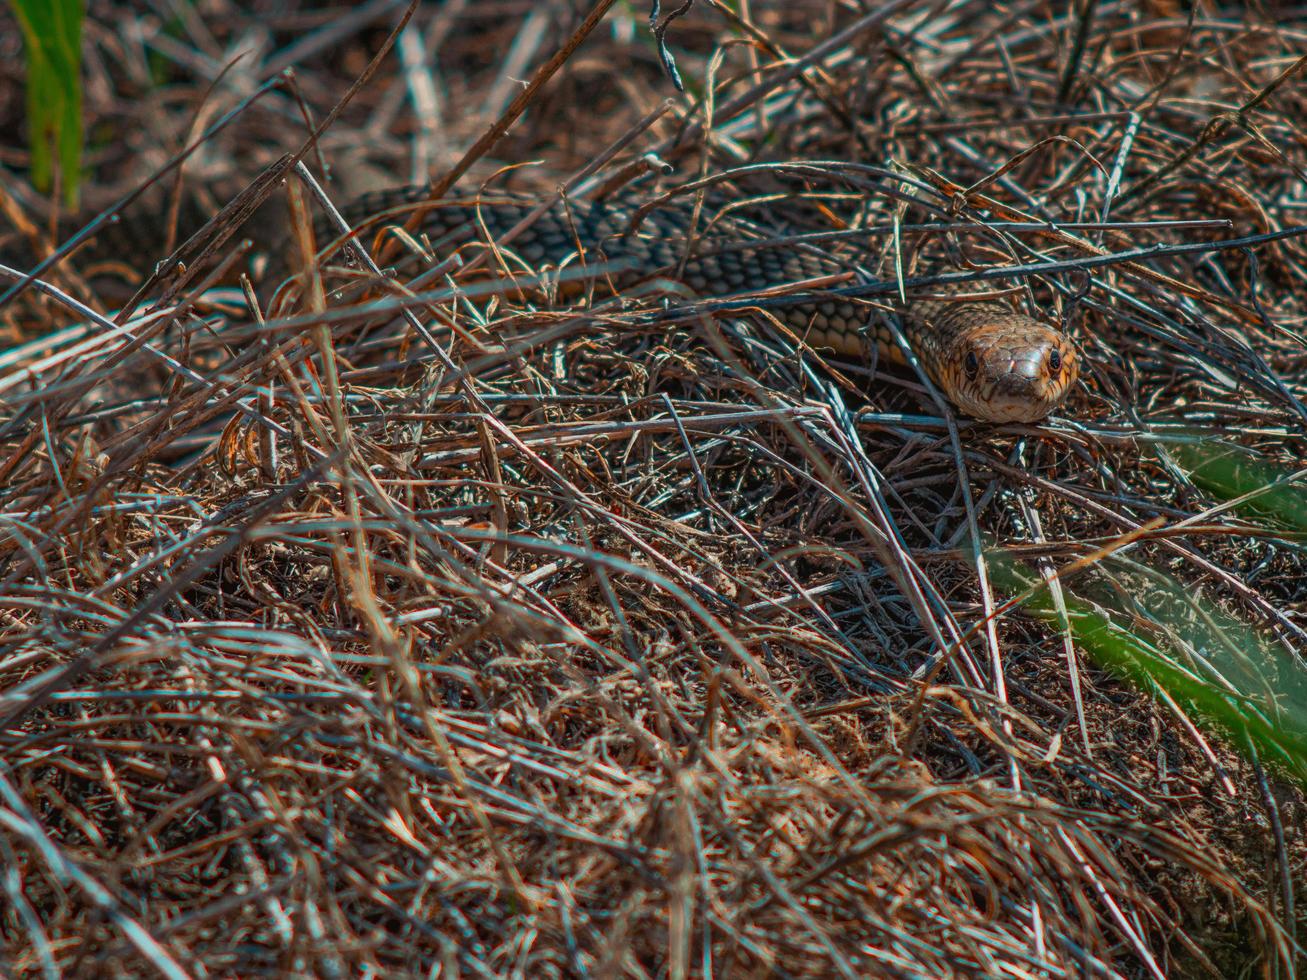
993,362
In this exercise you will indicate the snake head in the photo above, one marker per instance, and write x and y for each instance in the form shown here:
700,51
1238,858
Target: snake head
1014,369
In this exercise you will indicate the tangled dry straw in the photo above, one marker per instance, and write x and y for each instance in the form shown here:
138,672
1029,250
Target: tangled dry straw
442,627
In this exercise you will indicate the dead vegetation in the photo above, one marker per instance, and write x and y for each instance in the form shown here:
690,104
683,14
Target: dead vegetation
426,629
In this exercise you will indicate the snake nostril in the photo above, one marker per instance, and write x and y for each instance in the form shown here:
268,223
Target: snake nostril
971,364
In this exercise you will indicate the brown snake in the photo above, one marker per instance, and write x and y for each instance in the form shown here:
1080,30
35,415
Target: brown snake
991,361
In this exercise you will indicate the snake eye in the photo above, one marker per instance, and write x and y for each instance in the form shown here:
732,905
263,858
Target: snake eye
972,364
1054,362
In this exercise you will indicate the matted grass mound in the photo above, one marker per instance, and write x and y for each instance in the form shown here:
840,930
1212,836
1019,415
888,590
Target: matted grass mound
464,627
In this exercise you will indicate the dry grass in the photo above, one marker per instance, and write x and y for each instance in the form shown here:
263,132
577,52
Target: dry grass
617,638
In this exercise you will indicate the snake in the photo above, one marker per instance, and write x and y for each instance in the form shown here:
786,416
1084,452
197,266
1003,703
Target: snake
992,361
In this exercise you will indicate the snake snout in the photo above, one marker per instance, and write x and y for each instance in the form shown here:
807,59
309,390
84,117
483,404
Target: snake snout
1015,371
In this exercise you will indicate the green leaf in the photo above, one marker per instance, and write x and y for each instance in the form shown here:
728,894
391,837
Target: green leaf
1261,490
52,38
1164,637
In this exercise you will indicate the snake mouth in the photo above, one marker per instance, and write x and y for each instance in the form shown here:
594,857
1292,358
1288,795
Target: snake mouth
1014,373
1013,407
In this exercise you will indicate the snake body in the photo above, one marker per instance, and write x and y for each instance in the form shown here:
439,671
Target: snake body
993,362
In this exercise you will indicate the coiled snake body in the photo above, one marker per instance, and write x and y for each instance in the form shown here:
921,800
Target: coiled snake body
991,361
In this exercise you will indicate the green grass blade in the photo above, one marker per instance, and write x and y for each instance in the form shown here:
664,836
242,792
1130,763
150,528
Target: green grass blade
1160,636
52,37
1265,492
